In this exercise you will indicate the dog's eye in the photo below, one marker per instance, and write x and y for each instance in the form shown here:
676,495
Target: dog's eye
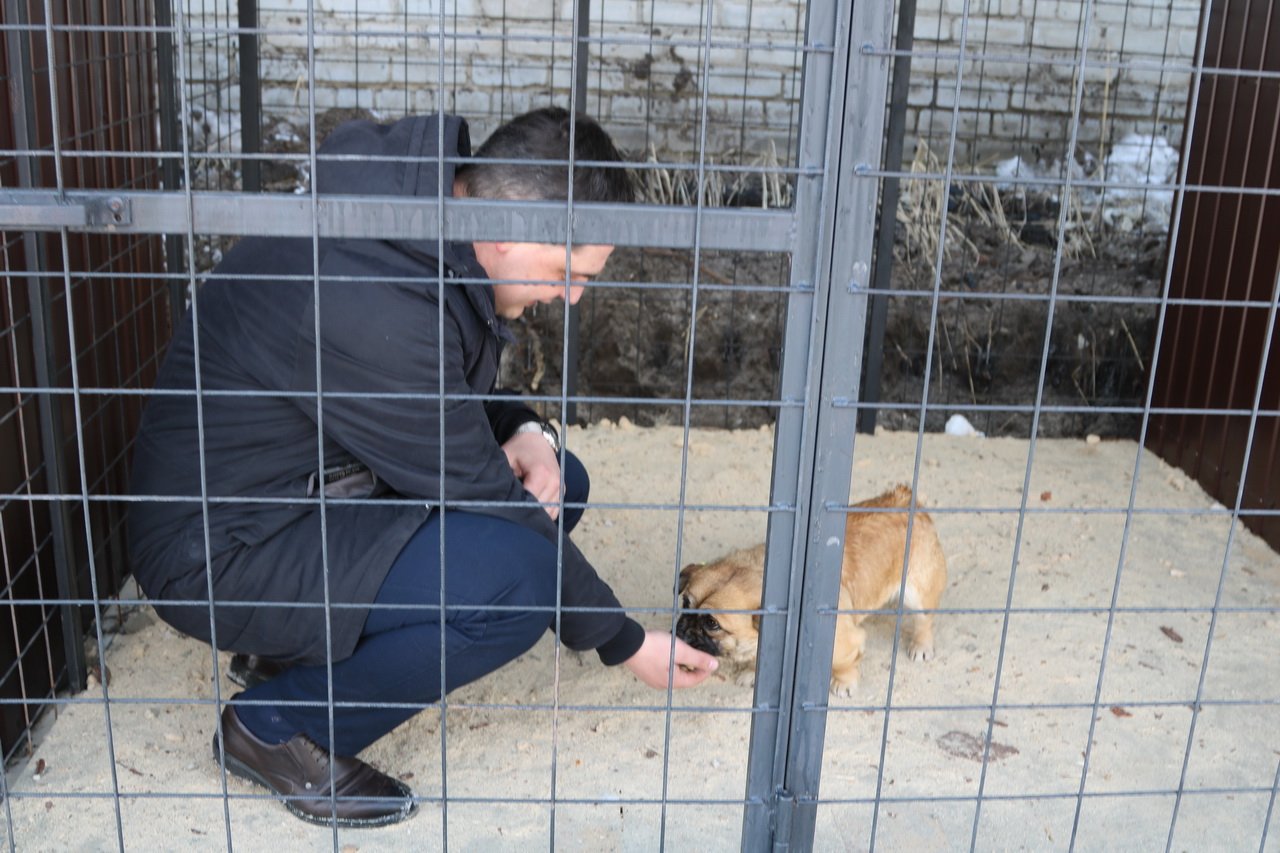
712,624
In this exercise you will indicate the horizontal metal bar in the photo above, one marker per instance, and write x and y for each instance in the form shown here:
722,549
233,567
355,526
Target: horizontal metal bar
620,801
360,217
40,215
1077,610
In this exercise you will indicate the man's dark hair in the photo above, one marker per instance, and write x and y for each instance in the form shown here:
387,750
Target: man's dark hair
544,134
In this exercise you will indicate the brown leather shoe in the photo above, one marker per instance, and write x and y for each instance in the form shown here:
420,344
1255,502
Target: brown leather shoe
298,773
251,670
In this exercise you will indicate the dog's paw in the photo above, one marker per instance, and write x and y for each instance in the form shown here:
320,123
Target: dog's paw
843,689
746,678
920,651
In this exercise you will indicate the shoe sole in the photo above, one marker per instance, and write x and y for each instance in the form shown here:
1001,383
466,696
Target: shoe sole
238,768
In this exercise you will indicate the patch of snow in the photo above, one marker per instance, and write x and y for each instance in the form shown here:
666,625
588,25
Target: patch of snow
1145,164
212,131
1022,176
959,425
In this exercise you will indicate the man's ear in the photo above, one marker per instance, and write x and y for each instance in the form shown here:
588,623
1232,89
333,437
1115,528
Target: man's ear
489,255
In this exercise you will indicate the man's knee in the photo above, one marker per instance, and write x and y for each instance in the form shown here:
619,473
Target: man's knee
498,569
577,483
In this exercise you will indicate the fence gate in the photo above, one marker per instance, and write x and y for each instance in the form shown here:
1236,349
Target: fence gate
115,192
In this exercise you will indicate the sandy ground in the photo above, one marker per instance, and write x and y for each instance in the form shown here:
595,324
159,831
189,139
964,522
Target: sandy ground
610,752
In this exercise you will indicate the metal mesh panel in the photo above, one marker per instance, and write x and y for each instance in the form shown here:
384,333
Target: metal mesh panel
955,226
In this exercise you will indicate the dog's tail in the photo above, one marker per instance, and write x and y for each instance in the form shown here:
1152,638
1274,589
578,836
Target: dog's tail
898,497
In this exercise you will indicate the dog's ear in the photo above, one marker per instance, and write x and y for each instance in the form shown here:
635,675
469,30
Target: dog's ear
685,574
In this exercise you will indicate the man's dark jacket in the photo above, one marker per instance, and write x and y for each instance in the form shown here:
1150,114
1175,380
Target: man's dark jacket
395,328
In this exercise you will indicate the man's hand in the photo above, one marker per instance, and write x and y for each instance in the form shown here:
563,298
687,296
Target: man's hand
651,663
536,466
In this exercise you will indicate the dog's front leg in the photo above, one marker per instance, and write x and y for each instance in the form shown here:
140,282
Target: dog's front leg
847,658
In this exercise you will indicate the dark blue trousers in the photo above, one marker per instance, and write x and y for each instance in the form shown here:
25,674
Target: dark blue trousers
499,586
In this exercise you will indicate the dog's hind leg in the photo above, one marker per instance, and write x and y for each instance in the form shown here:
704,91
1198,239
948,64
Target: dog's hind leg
919,630
917,626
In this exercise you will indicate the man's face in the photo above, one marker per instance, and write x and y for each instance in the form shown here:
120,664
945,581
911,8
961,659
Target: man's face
525,274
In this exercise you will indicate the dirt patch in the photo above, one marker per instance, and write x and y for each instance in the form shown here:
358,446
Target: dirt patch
965,745
988,343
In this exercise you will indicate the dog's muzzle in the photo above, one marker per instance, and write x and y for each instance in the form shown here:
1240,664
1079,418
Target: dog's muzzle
692,629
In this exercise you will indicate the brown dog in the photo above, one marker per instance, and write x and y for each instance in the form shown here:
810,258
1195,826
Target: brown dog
871,577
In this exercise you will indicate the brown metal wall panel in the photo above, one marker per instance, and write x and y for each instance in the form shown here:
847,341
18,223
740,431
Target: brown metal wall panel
1227,251
107,314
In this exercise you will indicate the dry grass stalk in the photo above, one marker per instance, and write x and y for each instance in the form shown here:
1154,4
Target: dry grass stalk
1076,238
667,186
921,208
988,206
1133,345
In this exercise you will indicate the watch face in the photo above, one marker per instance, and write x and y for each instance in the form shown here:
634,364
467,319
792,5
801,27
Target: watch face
547,433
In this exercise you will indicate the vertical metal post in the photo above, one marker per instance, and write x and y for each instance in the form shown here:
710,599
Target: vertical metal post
250,97
842,131
572,317
170,122
881,276
846,250
770,810
35,250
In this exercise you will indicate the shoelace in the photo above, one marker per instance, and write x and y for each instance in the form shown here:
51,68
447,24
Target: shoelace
318,751
322,757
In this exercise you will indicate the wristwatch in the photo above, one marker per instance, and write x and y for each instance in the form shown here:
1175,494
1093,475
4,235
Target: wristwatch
543,427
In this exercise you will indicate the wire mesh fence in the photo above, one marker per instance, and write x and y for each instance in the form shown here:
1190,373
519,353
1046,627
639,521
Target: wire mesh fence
947,245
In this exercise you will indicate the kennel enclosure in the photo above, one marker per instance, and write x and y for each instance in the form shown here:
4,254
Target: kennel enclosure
144,138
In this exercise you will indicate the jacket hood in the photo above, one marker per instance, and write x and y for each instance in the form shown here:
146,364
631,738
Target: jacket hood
405,158
401,159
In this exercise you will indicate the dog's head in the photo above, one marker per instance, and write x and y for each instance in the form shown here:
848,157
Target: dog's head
727,587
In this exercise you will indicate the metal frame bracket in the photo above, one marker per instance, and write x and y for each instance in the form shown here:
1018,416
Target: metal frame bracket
108,212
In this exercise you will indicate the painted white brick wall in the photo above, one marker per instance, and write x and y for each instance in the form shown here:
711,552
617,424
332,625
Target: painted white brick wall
646,82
